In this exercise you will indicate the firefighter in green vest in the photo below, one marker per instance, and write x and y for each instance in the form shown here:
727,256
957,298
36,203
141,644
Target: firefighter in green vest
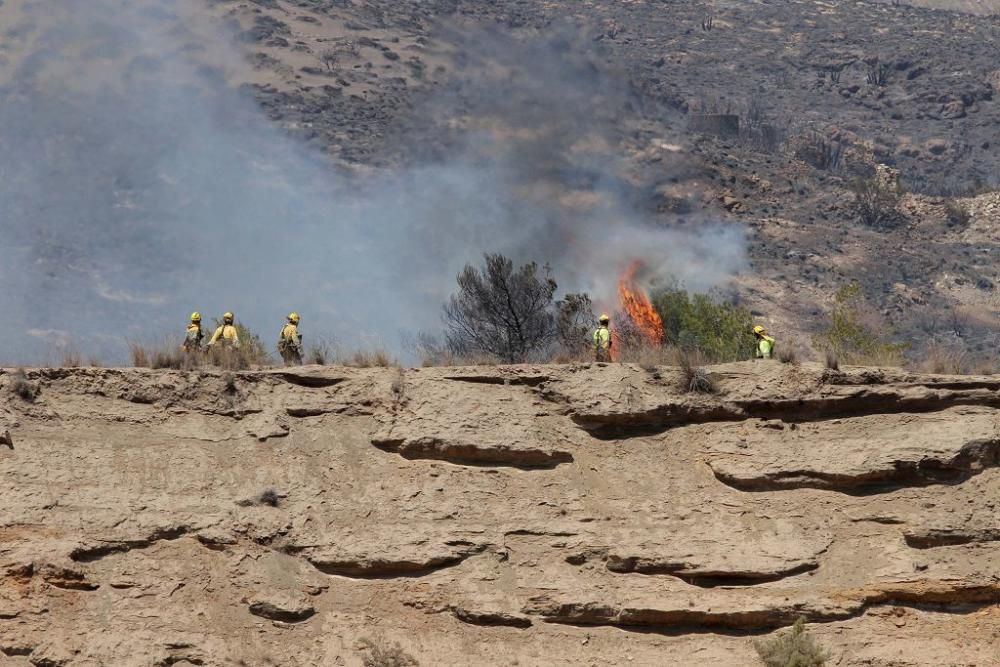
765,344
602,340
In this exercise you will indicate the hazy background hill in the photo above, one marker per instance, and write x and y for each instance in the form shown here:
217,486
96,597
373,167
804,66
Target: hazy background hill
347,158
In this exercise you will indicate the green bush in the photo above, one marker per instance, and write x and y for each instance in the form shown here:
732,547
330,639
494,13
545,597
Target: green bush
856,335
794,648
721,331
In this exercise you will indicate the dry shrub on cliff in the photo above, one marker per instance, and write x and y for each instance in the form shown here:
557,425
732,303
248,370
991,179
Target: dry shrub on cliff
794,648
379,653
22,387
694,378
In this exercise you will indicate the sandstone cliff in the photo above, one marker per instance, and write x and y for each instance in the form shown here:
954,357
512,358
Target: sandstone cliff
549,515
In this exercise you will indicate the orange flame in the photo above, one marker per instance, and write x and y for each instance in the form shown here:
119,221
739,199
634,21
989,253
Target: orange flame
636,303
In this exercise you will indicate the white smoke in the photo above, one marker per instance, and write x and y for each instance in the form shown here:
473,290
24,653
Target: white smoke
137,186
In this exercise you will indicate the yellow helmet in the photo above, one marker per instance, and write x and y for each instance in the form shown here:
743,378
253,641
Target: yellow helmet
758,329
196,316
227,317
293,318
604,318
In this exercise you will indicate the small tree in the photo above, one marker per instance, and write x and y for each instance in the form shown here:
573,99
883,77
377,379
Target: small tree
330,58
500,311
574,323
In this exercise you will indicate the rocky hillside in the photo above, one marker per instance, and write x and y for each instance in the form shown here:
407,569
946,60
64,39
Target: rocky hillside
914,87
570,515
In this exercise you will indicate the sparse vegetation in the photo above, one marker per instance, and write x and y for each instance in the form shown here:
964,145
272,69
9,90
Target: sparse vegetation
950,358
878,72
788,355
380,653
756,130
371,358
636,351
574,324
793,648
819,151
501,311
876,202
22,387
329,58
319,352
251,352
856,333
71,358
956,214
398,386
268,497
166,355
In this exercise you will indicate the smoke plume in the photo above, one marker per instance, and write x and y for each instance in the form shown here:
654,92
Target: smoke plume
139,185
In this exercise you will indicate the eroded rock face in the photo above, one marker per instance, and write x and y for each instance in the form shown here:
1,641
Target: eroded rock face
913,450
528,513
282,607
473,419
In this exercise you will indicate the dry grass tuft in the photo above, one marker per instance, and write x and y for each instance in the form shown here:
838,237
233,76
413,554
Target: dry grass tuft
319,353
788,355
794,648
373,358
380,653
647,355
162,356
71,359
694,378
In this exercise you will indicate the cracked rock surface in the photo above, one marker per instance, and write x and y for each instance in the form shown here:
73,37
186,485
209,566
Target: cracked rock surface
550,515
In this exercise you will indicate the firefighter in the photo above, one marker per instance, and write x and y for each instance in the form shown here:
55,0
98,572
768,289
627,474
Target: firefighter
195,335
290,341
602,340
764,348
226,334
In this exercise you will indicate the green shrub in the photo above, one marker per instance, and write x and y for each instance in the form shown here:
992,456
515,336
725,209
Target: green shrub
856,334
794,648
720,330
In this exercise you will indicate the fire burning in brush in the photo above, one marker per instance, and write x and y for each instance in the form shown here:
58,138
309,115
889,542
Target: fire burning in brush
636,303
